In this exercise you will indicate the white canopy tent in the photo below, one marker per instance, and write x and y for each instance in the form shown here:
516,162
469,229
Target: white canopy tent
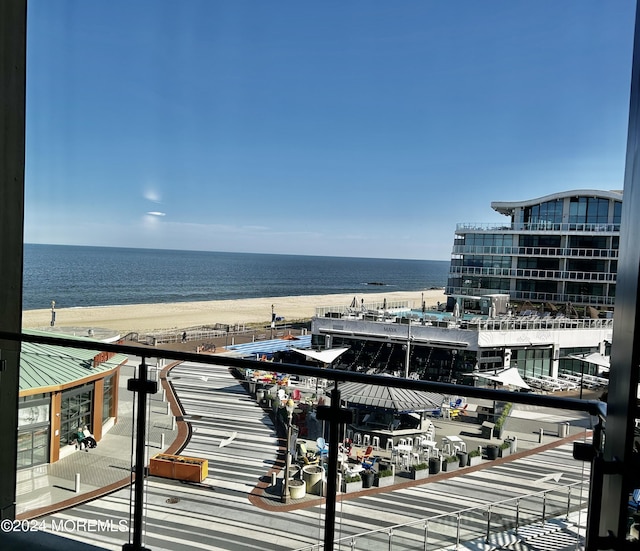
325,356
603,362
508,377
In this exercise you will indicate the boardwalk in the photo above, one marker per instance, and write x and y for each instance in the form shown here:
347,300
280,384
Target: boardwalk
219,514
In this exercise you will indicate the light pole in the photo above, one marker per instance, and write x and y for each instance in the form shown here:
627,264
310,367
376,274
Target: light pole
53,313
408,354
273,321
284,498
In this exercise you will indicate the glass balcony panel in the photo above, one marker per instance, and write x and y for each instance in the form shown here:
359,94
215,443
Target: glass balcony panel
376,541
442,532
502,518
473,525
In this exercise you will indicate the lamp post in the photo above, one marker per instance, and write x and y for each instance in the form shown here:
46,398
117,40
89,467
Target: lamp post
407,358
284,498
273,321
53,313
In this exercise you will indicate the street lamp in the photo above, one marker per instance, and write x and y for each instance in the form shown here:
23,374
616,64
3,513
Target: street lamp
53,313
289,406
273,321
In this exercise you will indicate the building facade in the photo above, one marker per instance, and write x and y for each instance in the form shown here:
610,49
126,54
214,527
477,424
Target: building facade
61,390
557,249
557,257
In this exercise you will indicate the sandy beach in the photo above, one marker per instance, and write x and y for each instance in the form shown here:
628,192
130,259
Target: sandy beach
181,315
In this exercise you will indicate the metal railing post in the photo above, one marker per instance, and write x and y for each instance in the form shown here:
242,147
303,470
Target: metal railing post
336,416
486,538
391,539
458,532
426,535
142,386
517,515
544,507
566,517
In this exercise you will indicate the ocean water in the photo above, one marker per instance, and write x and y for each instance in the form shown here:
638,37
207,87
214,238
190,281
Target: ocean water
100,276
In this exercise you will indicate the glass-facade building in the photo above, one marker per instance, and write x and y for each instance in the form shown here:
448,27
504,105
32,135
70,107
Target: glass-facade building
557,249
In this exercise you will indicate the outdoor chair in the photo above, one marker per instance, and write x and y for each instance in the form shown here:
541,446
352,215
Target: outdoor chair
362,456
323,447
307,457
368,465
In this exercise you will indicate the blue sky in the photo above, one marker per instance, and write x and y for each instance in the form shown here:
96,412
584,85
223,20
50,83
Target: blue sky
359,128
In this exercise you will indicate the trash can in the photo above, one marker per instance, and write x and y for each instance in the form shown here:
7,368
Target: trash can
367,478
463,458
492,451
563,430
434,465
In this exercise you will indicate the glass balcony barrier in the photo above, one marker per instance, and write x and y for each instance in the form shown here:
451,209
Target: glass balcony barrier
538,252
259,453
539,227
535,296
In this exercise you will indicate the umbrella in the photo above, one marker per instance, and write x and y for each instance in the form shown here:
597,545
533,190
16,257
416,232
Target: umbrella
509,376
399,400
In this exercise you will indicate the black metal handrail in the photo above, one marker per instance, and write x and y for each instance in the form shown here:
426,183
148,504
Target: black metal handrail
333,414
593,407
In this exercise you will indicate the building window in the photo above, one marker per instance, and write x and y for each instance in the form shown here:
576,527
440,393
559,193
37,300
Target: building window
108,398
76,412
576,367
33,430
33,446
588,210
617,212
544,214
532,362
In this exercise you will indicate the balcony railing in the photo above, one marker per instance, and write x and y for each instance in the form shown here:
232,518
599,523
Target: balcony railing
530,273
502,520
444,529
536,296
537,227
546,252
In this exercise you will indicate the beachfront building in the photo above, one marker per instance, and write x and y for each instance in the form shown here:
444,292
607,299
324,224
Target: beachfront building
62,389
535,293
439,346
555,250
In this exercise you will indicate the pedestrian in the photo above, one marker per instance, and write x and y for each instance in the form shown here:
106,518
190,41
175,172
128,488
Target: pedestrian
80,441
89,440
184,336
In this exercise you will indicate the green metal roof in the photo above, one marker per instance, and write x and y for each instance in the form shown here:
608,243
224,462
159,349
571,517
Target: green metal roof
43,365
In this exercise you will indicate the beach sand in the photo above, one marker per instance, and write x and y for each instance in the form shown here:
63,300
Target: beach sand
146,318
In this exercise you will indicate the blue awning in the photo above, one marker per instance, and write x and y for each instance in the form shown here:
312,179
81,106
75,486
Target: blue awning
260,348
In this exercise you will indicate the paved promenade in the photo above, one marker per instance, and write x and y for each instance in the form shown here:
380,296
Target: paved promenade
237,507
